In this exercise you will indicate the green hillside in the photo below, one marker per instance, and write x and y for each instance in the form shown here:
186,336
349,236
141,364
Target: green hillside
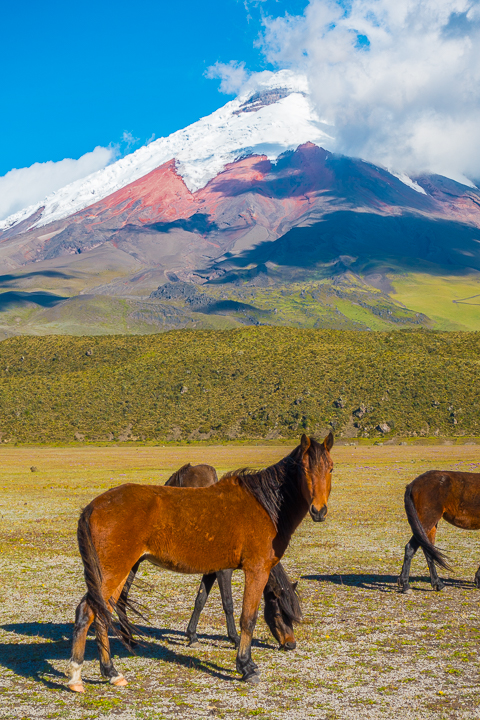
377,297
239,384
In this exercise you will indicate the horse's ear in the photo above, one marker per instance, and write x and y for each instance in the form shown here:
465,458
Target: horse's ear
305,443
328,442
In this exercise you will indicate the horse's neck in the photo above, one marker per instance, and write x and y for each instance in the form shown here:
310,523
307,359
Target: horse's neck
293,510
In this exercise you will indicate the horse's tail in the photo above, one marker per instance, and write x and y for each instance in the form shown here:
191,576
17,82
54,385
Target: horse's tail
93,579
431,552
286,594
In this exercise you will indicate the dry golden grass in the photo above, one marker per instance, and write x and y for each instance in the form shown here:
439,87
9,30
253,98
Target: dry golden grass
364,651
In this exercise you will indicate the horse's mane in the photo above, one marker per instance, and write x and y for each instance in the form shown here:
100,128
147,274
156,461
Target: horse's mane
176,480
276,486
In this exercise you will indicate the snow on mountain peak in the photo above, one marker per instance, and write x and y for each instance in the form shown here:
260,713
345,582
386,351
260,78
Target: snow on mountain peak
272,114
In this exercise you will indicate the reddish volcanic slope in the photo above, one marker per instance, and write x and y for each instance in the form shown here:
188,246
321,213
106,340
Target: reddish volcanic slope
161,194
160,222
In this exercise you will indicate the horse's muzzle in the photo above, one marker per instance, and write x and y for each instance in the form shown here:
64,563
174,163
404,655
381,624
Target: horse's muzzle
318,515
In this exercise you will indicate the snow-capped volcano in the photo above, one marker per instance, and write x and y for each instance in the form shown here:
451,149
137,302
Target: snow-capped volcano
267,119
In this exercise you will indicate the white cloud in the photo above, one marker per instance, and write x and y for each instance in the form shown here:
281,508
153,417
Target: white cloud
22,187
232,76
129,140
399,79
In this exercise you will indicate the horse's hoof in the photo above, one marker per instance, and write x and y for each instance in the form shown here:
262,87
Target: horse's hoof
405,590
194,644
119,682
288,646
76,687
252,677
439,587
477,582
236,642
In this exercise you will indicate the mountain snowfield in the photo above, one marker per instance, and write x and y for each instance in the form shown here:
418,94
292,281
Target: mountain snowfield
203,149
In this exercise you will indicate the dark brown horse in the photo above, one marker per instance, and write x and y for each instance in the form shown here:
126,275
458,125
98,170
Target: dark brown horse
455,496
245,521
282,607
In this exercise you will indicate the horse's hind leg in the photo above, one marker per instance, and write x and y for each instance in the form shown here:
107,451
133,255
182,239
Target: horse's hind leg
107,668
437,584
224,578
410,549
122,607
477,578
254,585
202,595
83,619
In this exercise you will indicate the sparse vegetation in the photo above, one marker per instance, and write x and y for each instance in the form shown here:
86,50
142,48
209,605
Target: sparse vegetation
364,651
342,302
244,384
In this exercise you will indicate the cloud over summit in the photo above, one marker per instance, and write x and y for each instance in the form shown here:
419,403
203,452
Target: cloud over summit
398,79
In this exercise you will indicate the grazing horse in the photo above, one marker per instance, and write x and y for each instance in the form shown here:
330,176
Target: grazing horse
282,607
455,496
245,521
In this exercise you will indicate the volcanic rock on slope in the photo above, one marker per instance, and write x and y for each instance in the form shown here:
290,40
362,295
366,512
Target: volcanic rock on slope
309,208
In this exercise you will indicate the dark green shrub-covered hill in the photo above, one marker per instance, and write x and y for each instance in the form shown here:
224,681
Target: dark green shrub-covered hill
251,383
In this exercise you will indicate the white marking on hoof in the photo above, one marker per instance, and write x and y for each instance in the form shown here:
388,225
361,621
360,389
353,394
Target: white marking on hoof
194,644
76,687
408,592
119,681
75,672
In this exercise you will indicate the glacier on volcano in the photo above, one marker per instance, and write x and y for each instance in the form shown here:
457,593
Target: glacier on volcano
259,121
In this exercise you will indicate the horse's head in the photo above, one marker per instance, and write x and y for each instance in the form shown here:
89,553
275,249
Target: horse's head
317,467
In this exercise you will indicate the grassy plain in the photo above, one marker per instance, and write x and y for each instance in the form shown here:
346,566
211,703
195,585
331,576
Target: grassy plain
452,303
363,651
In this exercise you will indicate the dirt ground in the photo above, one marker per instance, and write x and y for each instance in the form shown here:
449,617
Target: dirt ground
364,651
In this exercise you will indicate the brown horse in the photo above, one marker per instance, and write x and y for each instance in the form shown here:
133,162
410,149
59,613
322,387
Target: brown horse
245,521
455,496
282,607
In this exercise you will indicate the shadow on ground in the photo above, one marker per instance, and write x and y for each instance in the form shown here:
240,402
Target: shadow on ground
33,661
385,583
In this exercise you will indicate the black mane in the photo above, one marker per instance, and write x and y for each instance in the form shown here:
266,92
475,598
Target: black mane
277,486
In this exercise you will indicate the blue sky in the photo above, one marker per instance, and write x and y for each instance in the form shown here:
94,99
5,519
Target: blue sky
399,81
79,75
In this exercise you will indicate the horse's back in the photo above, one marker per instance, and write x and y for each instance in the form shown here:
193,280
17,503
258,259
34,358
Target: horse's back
198,530
456,494
193,476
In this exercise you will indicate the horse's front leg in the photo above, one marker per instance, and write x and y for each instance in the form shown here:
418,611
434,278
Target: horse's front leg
224,578
122,607
255,581
206,585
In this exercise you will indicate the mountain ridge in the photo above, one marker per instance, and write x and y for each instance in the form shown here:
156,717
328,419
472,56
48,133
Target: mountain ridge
259,228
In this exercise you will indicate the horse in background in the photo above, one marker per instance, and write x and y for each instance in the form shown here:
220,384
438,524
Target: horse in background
451,495
282,607
245,521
